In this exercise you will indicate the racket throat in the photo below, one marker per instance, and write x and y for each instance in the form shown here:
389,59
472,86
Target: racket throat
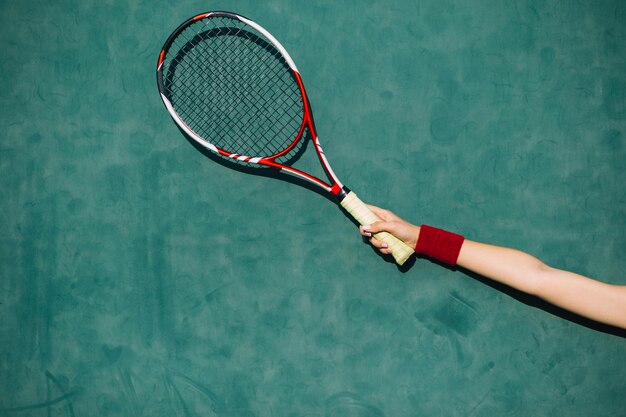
340,192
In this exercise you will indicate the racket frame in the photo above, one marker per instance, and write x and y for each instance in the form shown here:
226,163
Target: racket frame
335,188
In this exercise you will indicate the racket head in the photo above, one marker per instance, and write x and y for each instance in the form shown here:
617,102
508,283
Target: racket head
232,87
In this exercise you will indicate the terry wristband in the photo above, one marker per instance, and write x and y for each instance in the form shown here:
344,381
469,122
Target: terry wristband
439,244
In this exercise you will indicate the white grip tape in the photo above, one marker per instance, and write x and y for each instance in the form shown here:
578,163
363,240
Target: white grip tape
353,205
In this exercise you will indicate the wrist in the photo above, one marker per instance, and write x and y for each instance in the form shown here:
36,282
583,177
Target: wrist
416,234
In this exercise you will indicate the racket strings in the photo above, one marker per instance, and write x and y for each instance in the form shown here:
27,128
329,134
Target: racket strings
233,88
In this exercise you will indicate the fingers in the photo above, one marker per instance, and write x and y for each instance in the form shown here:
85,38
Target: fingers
381,246
367,230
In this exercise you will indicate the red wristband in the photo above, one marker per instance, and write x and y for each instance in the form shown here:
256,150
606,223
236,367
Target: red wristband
439,244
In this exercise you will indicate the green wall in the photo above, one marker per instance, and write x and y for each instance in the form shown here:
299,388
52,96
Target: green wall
139,278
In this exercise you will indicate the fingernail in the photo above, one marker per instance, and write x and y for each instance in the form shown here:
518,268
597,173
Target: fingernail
366,227
384,245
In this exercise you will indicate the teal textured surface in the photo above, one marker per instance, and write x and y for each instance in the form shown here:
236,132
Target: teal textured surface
139,278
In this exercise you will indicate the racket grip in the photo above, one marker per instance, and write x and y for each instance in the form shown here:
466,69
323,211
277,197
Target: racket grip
357,209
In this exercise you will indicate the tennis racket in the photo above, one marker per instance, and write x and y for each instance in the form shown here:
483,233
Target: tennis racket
234,89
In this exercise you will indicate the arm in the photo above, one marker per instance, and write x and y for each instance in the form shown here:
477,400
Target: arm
596,300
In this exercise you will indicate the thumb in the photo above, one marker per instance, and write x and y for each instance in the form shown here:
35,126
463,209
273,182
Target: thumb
380,226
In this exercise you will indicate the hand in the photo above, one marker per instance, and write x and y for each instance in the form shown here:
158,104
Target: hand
390,223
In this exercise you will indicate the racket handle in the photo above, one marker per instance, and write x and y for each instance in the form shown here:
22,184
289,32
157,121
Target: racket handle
357,209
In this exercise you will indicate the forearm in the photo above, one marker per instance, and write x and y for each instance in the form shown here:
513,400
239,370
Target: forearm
597,300
505,265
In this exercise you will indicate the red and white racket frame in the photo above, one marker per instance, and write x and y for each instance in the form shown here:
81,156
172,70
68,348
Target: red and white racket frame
346,198
307,122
